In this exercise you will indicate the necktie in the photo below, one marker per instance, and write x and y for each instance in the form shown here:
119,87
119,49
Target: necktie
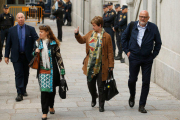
20,38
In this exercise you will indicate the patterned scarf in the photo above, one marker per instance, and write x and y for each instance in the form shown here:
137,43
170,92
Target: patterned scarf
95,55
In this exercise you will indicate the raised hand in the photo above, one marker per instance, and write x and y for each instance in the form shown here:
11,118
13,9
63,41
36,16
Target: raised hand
76,30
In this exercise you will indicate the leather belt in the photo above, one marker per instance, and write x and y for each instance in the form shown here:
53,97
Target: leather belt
22,53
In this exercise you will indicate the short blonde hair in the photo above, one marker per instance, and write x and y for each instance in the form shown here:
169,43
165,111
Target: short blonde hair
98,20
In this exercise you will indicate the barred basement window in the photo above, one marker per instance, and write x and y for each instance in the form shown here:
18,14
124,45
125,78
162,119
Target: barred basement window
11,1
21,1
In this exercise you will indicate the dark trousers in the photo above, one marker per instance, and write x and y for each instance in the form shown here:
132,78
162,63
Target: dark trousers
118,42
67,17
4,34
134,66
110,31
47,100
39,16
21,69
59,27
93,90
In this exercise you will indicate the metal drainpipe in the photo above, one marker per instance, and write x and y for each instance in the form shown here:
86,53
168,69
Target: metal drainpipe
83,14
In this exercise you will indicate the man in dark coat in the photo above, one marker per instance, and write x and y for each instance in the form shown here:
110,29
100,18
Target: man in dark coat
141,48
6,22
68,9
20,43
59,19
41,3
117,30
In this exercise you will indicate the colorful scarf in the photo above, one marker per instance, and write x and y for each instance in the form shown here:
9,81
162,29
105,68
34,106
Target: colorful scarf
95,55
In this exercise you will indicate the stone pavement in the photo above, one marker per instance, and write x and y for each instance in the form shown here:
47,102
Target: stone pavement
160,105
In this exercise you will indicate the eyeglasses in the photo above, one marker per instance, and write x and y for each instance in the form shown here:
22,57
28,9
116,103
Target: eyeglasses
145,17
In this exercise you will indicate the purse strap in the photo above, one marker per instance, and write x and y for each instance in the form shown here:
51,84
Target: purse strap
111,75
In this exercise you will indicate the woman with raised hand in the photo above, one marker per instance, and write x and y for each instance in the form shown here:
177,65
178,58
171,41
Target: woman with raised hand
99,59
48,73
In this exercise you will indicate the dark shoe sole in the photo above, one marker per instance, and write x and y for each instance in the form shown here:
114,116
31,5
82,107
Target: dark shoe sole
52,112
101,110
44,118
133,103
25,95
142,111
19,100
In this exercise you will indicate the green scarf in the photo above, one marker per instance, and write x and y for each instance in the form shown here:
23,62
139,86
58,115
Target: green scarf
95,55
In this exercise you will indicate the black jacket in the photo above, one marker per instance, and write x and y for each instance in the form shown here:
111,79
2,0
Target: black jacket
41,4
6,20
68,6
59,13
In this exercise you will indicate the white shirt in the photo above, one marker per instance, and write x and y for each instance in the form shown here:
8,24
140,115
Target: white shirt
140,34
56,5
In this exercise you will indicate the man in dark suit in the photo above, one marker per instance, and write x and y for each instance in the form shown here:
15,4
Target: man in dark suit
142,47
41,3
68,9
20,41
59,19
122,24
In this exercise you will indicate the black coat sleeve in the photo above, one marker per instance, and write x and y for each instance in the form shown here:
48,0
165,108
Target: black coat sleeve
34,34
55,13
124,39
8,44
158,43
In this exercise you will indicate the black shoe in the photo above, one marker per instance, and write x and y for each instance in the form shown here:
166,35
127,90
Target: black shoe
25,94
19,98
122,60
131,101
93,103
118,57
101,109
142,109
44,118
69,24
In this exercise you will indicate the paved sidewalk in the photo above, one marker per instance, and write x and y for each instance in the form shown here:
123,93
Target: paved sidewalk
160,105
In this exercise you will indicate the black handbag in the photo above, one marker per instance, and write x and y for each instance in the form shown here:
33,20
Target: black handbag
110,88
63,88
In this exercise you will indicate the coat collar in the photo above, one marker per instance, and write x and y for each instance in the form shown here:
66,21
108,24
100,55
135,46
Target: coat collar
53,42
148,27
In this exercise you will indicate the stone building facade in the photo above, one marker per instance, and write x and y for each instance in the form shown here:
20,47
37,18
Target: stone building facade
164,13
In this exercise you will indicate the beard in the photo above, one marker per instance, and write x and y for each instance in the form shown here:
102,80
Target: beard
143,23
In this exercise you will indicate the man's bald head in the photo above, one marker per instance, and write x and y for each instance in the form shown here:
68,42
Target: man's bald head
20,18
143,18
